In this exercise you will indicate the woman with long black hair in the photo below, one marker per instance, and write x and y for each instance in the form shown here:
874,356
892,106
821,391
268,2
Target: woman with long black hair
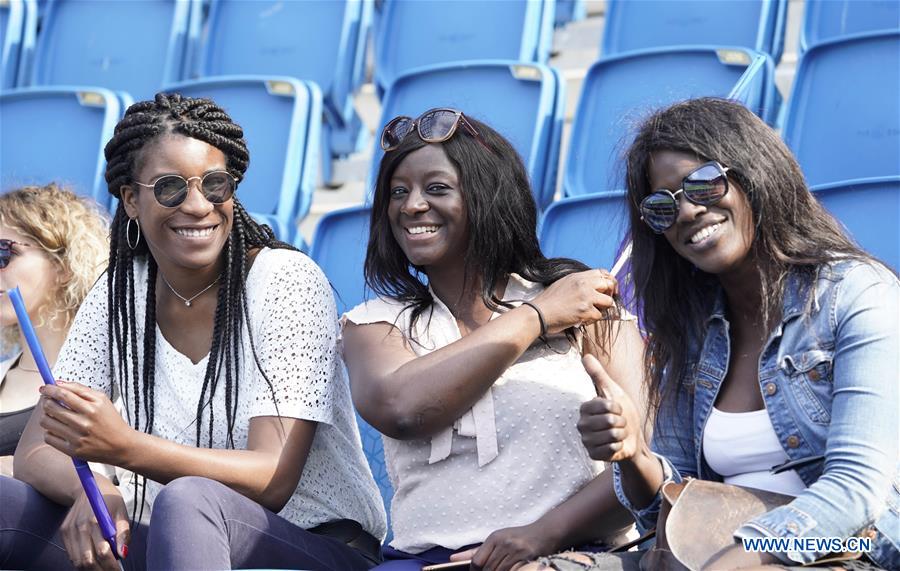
772,357
469,362
222,343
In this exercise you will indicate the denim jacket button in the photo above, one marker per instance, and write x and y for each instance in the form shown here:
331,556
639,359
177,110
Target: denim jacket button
771,389
793,441
814,375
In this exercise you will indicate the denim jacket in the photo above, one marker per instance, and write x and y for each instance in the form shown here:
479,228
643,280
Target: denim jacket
829,376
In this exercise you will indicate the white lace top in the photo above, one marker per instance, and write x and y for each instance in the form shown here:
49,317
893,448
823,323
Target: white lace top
293,317
513,457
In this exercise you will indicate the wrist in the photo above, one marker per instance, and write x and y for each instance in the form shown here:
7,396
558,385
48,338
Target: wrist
542,322
127,453
552,533
643,461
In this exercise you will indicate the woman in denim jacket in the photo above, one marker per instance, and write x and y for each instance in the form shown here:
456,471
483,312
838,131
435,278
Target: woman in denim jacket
774,347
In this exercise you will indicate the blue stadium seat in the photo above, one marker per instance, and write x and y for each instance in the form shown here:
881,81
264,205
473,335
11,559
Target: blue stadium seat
282,118
620,91
589,229
12,25
569,11
641,24
411,35
870,211
57,134
29,41
315,40
123,46
842,116
524,102
339,247
825,20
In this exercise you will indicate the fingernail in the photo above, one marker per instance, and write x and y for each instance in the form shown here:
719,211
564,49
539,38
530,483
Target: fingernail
124,551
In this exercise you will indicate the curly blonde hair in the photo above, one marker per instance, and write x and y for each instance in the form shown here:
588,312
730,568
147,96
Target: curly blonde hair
72,230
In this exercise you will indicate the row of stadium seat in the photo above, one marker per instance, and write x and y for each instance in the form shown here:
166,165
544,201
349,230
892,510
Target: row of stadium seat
92,42
192,38
58,133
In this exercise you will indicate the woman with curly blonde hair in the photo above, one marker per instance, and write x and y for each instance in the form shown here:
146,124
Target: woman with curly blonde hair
53,245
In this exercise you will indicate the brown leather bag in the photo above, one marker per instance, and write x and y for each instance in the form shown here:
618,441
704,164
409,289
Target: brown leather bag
697,520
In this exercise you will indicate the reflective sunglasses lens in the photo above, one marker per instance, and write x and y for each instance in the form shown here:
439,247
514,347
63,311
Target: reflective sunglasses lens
659,211
394,132
170,190
707,185
437,126
218,187
5,252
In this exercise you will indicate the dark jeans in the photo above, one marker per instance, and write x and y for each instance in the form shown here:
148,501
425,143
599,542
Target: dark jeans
197,523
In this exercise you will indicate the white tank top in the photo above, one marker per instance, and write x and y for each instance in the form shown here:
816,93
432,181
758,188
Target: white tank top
742,447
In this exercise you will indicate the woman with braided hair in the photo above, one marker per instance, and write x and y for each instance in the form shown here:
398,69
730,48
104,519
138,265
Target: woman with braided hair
222,342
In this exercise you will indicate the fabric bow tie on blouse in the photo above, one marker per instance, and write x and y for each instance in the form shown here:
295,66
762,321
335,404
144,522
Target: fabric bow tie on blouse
477,422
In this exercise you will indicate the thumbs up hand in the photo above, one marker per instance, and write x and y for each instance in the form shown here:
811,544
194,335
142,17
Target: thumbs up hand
610,425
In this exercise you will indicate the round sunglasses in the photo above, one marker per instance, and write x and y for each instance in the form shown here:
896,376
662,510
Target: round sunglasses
171,190
705,186
433,126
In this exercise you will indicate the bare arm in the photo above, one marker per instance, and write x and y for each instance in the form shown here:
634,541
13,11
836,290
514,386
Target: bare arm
406,396
267,471
46,469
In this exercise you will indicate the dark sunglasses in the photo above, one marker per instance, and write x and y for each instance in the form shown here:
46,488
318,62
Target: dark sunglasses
433,126
705,186
171,190
6,251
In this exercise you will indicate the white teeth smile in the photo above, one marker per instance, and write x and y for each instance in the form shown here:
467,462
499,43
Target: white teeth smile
704,233
423,229
195,232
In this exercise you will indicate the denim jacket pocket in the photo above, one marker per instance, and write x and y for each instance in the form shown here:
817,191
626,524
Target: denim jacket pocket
810,376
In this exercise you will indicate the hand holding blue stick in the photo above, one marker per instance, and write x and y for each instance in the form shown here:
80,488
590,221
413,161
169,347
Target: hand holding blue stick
91,490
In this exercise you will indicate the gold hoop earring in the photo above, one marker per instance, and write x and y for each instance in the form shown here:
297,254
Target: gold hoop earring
128,233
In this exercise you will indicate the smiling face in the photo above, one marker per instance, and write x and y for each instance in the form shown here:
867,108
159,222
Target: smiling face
31,269
427,210
717,238
192,234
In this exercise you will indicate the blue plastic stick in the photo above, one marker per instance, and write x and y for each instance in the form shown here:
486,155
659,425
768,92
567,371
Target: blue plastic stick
101,512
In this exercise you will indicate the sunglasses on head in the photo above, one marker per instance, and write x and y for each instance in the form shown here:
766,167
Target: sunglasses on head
705,186
433,126
6,251
171,190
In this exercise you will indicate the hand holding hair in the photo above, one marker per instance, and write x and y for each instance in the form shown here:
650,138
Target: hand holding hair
610,425
576,299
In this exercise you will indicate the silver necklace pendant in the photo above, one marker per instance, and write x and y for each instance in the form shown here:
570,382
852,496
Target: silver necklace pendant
187,301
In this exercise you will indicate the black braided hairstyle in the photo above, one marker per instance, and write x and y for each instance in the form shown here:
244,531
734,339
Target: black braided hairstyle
142,124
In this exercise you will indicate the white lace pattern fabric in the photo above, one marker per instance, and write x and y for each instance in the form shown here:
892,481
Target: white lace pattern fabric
293,317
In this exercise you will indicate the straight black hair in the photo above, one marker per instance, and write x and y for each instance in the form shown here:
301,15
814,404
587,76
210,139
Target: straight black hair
502,222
